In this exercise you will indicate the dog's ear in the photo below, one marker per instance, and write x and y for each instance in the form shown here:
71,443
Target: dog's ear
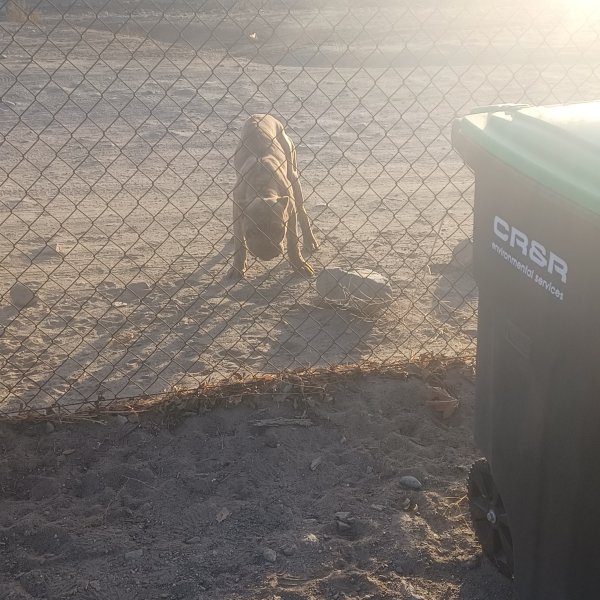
282,203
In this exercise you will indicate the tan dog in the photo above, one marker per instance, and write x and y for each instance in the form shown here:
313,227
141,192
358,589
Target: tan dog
267,198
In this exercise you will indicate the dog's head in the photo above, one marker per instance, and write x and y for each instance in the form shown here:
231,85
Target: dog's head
265,224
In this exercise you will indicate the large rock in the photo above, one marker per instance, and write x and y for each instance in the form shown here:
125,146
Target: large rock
359,289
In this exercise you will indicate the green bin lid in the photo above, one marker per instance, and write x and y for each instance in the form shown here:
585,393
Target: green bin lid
557,146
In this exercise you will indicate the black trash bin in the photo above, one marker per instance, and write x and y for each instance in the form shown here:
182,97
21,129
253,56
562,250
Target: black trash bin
535,500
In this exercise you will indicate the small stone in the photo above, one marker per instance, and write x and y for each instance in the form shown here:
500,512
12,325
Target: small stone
133,418
269,555
343,527
134,554
369,470
49,427
271,440
289,549
378,507
342,516
223,514
120,420
315,463
410,482
21,295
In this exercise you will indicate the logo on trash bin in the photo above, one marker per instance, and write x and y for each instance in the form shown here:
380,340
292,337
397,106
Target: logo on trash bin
535,251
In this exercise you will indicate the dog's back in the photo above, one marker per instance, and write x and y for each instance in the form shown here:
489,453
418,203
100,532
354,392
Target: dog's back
260,138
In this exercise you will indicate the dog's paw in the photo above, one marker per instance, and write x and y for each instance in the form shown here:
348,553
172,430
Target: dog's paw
309,246
303,268
234,275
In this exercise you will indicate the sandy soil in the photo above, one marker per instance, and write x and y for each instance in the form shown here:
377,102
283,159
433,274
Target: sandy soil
116,509
115,177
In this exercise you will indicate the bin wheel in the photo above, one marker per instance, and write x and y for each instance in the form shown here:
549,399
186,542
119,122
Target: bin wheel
490,520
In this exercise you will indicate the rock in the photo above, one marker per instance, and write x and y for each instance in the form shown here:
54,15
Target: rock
343,527
120,420
344,522
342,516
359,289
133,418
289,549
315,463
378,507
21,295
269,555
134,554
223,514
49,427
410,482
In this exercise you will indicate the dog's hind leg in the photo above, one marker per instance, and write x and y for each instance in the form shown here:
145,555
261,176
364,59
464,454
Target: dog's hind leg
239,243
309,243
296,260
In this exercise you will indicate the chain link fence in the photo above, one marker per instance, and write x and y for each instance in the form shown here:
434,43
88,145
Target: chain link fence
118,123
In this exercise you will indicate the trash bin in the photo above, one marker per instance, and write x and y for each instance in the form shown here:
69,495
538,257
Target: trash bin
535,499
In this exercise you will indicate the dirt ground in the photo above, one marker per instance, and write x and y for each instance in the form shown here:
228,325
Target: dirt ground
117,125
214,506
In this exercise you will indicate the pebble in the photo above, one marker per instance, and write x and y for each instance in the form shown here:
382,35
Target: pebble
289,549
120,420
342,516
343,527
49,427
315,463
410,482
269,555
134,554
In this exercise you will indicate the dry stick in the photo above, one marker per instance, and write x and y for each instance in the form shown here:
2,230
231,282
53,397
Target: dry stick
283,423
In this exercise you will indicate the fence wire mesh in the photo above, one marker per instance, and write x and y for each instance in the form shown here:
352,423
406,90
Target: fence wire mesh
118,123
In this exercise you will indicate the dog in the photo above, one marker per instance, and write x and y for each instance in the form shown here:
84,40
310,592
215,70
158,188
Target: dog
267,198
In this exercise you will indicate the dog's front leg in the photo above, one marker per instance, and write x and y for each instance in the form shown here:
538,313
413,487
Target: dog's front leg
293,244
239,246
